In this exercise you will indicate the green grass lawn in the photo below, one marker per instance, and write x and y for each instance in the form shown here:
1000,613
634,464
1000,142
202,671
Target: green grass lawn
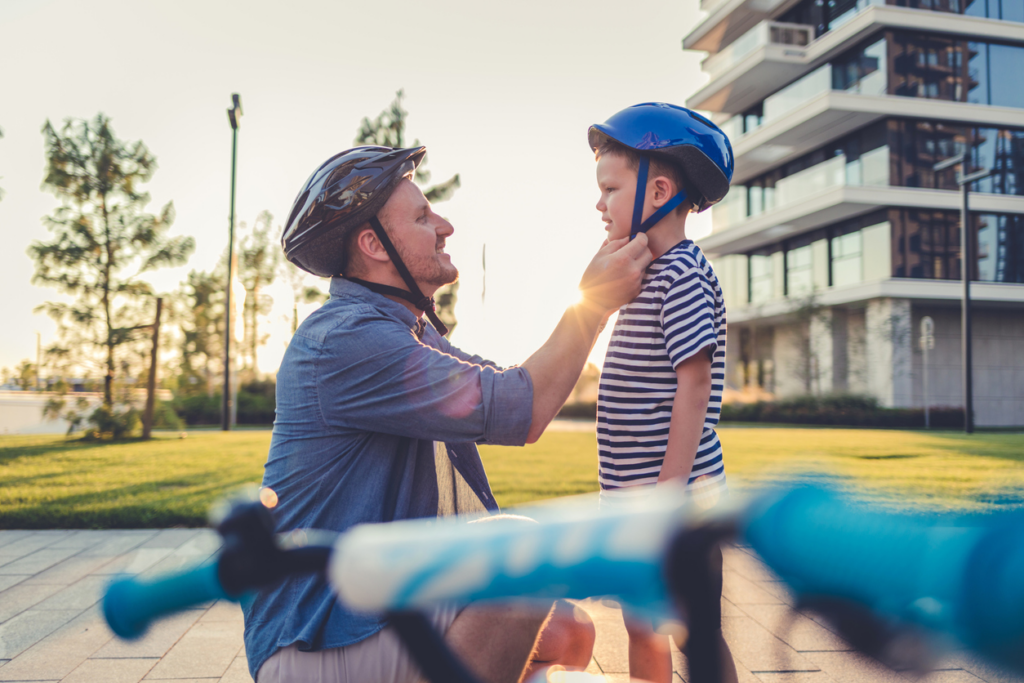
47,482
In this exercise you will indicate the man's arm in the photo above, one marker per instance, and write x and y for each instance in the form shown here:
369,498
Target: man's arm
612,279
689,409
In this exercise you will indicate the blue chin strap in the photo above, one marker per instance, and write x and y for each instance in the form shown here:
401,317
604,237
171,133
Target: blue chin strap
638,204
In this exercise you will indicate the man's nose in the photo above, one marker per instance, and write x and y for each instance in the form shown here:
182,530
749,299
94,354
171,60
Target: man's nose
445,228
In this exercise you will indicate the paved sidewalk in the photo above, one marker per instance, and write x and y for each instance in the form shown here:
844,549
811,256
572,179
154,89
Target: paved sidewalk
51,629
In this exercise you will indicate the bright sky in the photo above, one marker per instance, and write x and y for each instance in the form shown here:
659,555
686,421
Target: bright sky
501,93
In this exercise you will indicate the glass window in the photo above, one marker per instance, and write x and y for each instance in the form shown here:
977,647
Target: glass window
760,278
847,259
1005,67
1000,247
799,272
926,244
1010,10
863,70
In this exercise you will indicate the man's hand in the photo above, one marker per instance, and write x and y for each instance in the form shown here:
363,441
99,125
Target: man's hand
615,274
612,280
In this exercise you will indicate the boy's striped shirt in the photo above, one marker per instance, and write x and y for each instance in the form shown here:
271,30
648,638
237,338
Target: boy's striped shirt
679,312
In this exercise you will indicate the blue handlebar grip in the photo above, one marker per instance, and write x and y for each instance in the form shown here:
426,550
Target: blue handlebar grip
957,576
130,604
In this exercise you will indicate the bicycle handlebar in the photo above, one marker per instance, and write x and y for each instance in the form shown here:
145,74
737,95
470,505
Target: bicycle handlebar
945,574
131,604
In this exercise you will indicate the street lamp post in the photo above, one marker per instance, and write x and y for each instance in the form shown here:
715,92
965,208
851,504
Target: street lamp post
964,180
234,113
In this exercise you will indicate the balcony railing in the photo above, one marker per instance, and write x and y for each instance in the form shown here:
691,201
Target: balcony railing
797,36
870,169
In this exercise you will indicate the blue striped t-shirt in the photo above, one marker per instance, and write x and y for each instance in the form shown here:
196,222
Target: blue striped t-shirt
679,311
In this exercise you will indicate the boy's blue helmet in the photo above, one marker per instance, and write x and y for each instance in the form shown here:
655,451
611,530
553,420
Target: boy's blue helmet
699,147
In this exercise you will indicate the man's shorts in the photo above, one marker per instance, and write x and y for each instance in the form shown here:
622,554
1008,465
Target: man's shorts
381,658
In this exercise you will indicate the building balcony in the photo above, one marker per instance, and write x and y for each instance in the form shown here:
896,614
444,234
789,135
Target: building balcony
759,68
820,115
991,294
727,20
787,39
829,193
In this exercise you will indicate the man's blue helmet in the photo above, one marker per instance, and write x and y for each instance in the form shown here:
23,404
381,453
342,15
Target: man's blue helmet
697,146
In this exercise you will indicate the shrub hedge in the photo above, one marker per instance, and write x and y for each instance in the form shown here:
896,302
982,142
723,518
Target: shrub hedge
838,409
256,405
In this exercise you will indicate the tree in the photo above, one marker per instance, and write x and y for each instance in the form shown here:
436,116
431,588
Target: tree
199,311
23,375
103,242
388,130
302,292
257,268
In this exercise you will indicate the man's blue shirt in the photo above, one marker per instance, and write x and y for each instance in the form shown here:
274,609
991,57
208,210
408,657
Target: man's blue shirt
366,412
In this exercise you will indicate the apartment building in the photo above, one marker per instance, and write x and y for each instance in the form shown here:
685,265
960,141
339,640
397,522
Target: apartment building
837,236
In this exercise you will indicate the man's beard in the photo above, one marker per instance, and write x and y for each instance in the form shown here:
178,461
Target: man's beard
429,271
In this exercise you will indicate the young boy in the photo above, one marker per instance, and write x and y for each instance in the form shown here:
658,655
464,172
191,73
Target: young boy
661,385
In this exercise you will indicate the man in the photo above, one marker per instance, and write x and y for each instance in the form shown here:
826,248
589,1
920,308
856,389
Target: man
378,417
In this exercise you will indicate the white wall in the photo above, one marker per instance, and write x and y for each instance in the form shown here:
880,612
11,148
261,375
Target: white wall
888,351
21,412
998,363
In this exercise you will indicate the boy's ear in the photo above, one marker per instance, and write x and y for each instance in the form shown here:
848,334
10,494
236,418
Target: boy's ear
661,190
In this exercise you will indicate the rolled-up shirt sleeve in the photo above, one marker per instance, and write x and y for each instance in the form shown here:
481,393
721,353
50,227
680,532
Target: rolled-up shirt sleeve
373,374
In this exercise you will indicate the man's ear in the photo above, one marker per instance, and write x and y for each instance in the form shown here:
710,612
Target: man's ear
661,190
369,246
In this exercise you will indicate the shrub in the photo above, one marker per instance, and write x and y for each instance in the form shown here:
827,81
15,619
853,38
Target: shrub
256,405
839,409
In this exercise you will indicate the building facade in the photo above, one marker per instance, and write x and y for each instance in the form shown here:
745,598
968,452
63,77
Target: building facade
837,236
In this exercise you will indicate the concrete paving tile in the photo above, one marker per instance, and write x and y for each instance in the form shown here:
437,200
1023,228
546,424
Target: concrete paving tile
24,546
69,570
731,610
795,677
28,628
84,538
134,562
118,544
8,536
758,650
60,653
681,668
111,671
740,590
81,595
38,561
224,610
193,552
795,629
778,589
946,676
593,667
171,538
983,669
853,667
611,646
8,580
238,672
205,651
21,597
746,565
160,638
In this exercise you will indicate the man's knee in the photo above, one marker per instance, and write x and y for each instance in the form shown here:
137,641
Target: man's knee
568,637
